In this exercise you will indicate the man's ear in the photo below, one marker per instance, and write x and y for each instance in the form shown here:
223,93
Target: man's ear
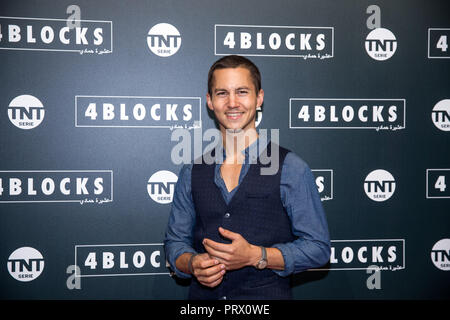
260,98
209,102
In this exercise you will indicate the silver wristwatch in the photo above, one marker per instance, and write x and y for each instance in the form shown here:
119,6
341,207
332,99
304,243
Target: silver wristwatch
263,262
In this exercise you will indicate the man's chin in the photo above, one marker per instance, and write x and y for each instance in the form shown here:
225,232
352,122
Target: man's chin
239,131
235,130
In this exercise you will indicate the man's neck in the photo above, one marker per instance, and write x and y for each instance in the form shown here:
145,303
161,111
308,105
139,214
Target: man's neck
235,142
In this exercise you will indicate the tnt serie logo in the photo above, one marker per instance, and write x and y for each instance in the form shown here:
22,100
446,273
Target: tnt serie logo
440,254
161,186
164,40
26,112
25,264
381,44
441,115
379,185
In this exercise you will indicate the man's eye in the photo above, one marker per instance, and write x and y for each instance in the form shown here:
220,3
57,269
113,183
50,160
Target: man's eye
220,93
242,92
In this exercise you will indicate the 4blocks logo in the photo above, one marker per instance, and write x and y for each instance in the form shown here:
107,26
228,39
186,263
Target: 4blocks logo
43,34
137,112
350,113
324,183
274,41
437,183
386,254
120,260
28,186
438,39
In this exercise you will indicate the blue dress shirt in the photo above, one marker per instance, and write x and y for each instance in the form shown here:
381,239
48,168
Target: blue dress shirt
299,196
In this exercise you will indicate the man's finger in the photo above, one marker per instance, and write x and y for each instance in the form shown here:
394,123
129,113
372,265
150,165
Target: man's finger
220,255
217,247
212,282
210,272
222,247
202,262
229,234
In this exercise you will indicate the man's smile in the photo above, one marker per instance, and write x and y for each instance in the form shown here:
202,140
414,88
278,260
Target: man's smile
234,115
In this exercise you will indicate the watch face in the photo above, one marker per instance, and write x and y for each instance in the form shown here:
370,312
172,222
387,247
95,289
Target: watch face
262,264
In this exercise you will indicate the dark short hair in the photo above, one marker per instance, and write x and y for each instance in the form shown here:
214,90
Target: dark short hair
235,61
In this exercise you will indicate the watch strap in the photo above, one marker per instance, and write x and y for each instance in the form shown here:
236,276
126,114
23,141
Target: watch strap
262,263
264,253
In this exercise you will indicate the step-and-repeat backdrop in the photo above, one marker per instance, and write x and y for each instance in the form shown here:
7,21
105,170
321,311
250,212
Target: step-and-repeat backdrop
94,95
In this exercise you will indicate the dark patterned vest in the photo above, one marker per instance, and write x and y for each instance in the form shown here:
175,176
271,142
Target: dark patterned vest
256,212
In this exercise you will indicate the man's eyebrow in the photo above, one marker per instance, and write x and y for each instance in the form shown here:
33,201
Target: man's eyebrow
219,89
226,90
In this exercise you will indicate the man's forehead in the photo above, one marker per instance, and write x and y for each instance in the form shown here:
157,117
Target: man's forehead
239,77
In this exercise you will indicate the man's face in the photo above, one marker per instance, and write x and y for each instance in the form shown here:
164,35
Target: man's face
234,99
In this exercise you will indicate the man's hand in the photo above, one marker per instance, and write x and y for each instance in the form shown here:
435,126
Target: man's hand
208,271
236,255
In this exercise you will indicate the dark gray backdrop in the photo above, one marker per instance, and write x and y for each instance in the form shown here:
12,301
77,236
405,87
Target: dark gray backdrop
132,218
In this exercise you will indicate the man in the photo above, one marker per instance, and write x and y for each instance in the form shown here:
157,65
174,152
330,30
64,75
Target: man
238,233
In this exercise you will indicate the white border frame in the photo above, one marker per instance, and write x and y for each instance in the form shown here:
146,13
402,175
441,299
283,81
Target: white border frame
57,50
344,99
368,240
332,190
428,44
268,55
426,190
49,201
138,97
116,274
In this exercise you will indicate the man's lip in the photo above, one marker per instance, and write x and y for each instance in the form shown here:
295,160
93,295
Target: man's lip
234,115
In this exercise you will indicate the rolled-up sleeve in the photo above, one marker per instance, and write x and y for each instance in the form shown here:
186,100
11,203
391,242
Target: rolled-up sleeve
178,238
301,200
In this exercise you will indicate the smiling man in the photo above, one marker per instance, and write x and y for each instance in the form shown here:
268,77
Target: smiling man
237,232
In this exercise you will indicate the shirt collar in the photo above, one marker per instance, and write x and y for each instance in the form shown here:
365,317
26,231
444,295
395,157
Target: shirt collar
254,150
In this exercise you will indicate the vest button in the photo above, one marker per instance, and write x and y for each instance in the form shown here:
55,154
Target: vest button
227,215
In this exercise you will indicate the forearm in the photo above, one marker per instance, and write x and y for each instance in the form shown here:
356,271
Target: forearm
275,259
302,254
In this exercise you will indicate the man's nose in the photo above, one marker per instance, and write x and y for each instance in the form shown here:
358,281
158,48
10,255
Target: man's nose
232,100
